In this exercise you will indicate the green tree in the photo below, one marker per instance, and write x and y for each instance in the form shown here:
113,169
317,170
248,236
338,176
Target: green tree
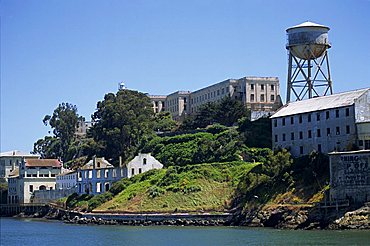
256,133
63,122
122,122
163,122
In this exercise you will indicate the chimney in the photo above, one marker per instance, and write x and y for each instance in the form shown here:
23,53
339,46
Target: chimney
94,161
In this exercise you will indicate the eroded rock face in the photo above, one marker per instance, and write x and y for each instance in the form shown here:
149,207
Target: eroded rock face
358,219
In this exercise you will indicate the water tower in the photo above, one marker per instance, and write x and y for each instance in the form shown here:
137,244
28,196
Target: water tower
308,68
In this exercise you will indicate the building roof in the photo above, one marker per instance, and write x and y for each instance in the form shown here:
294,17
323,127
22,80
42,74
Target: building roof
320,103
67,172
103,163
43,163
17,153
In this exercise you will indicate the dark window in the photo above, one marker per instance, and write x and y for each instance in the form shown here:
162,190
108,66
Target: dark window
262,98
300,119
292,136
318,116
276,138
318,133
347,112
31,188
275,123
252,86
360,143
272,98
301,150
309,134
327,131
300,135
319,147
309,117
272,87
139,170
252,97
327,114
144,161
337,130
283,137
133,171
348,130
262,87
292,120
283,121
337,113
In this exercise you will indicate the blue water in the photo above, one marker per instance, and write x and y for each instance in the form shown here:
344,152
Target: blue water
33,232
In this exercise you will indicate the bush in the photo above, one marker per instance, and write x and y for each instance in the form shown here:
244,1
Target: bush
97,200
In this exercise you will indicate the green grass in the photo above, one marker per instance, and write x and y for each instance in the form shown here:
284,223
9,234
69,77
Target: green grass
203,187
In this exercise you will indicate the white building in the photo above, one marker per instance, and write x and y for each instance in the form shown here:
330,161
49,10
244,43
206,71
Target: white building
338,122
259,94
66,180
141,164
30,176
11,159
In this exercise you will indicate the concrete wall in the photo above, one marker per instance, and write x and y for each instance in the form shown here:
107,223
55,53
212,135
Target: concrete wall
350,176
46,196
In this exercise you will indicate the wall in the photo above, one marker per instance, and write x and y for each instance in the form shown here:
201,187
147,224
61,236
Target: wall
46,196
142,163
350,176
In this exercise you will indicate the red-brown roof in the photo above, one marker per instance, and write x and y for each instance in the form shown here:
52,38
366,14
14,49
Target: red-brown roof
43,163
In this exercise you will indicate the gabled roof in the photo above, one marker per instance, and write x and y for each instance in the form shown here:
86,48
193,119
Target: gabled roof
99,163
320,103
17,153
42,163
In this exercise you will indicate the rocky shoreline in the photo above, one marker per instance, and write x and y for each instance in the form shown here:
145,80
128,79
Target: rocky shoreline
274,217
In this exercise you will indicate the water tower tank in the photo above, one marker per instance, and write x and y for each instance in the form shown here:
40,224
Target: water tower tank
308,40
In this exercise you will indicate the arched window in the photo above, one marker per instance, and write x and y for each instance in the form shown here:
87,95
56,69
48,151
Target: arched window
98,164
106,186
144,161
42,187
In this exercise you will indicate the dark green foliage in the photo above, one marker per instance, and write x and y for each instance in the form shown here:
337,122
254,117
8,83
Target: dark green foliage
119,186
163,122
3,191
97,200
256,133
201,147
123,122
226,112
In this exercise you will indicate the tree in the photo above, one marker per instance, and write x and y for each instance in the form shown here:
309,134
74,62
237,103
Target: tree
256,133
163,122
122,122
63,122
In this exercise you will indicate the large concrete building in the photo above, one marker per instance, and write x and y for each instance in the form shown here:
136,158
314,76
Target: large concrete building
11,159
259,94
30,176
338,122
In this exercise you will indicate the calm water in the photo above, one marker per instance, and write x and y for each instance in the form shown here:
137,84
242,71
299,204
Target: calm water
31,232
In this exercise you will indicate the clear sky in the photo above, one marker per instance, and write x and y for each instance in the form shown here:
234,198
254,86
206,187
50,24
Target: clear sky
76,51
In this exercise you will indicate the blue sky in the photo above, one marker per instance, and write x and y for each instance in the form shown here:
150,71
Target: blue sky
78,50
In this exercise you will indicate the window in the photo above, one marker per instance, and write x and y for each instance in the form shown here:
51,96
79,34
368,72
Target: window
276,138
300,119
252,86
283,137
144,161
272,98
291,120
98,164
328,131
292,136
301,150
300,135
223,91
318,116
347,129
218,92
132,171
337,113
262,87
327,114
347,112
360,143
275,123
337,130
139,170
318,133
31,188
309,134
252,97
262,97
319,147
309,117
272,87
